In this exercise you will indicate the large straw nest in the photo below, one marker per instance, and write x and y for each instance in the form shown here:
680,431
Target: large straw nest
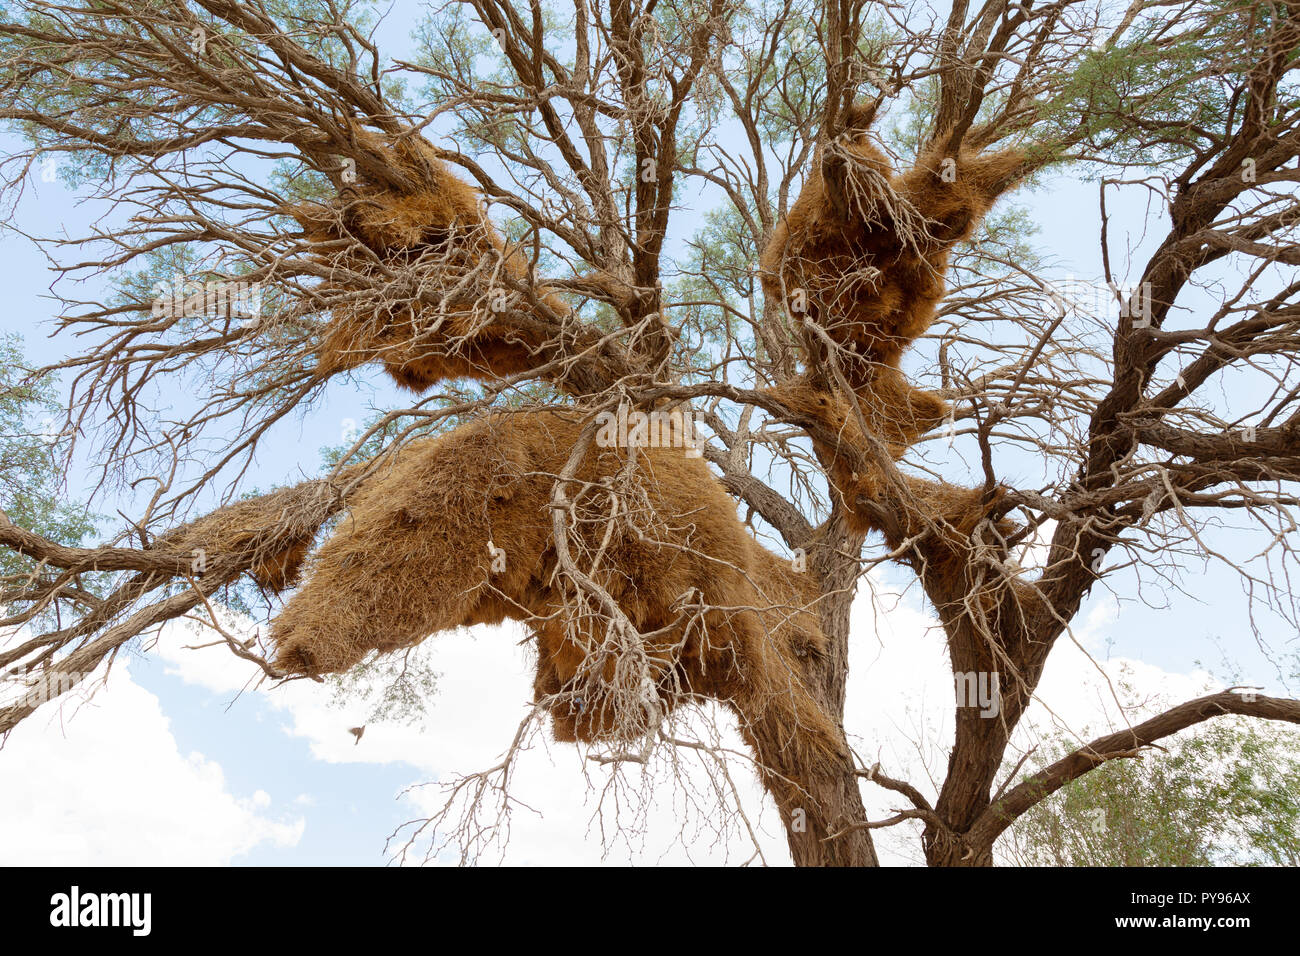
423,282
458,531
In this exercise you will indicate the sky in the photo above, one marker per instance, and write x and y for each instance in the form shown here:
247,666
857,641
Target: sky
178,760
175,762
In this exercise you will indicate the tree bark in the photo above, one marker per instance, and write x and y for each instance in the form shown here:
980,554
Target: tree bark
824,816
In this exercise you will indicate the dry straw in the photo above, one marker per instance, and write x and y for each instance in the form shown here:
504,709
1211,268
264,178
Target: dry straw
427,285
274,531
458,531
861,258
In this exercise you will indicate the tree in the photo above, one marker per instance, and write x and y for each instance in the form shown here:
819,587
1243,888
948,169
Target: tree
850,153
1222,796
30,487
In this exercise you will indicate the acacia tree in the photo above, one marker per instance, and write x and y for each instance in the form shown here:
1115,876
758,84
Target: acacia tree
271,145
1224,796
28,473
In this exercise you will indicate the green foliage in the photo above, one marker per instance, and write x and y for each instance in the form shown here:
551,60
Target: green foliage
76,87
1160,95
718,283
1002,246
31,472
1227,794
394,687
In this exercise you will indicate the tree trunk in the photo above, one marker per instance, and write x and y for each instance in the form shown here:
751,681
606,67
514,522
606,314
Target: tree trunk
1010,637
956,852
823,815
827,802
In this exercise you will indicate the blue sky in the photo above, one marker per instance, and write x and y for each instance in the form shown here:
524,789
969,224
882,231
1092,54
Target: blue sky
293,788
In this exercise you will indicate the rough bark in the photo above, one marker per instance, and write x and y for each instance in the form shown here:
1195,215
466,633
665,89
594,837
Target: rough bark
834,816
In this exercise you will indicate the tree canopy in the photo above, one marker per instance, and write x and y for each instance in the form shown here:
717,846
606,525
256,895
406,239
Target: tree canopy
777,234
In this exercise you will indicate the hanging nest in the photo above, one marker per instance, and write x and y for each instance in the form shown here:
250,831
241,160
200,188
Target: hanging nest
861,257
896,413
421,280
863,251
271,533
458,531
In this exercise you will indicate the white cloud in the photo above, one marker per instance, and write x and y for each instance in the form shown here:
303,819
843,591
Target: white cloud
485,692
899,713
103,783
900,698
